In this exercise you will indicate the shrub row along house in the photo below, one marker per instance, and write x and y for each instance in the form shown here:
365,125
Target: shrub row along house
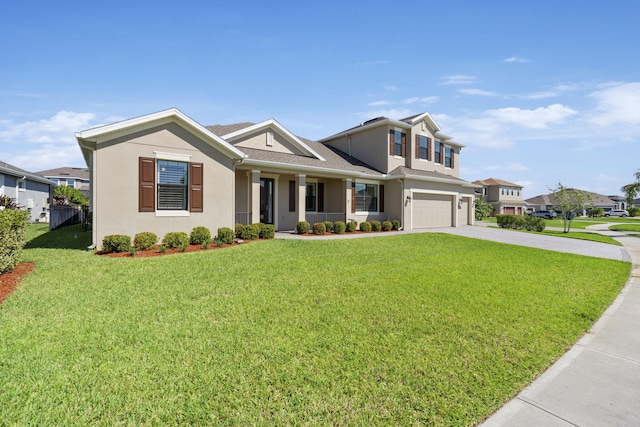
165,172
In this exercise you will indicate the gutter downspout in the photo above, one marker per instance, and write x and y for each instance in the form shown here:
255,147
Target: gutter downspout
402,199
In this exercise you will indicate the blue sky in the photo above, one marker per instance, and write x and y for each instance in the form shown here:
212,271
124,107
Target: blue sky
540,92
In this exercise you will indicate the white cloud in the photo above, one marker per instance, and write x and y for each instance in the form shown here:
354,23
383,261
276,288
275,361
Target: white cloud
377,103
541,95
540,118
58,129
618,104
423,100
515,59
479,92
48,156
391,87
391,113
458,79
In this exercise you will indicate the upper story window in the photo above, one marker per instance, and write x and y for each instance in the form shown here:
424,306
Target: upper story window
22,185
397,143
311,198
423,147
172,185
438,152
366,197
502,191
448,157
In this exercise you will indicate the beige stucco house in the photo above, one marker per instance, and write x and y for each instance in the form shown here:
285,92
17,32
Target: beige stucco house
165,172
505,196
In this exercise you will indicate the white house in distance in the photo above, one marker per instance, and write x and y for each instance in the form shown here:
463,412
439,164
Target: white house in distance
165,172
29,190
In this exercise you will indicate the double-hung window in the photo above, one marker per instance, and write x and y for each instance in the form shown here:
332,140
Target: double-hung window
173,181
311,197
397,143
423,147
366,197
438,152
448,157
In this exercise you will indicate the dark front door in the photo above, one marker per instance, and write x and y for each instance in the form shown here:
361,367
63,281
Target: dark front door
266,200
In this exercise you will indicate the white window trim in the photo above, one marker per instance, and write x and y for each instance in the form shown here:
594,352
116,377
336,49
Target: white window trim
178,158
370,182
172,213
315,182
172,156
24,187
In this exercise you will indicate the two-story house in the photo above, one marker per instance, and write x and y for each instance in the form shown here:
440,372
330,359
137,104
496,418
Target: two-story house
165,172
31,191
74,177
505,196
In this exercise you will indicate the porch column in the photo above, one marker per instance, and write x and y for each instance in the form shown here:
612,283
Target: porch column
346,191
255,196
301,193
456,214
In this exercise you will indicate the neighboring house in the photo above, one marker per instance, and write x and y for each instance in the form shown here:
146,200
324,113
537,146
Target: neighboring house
620,201
505,196
547,201
77,178
165,172
29,190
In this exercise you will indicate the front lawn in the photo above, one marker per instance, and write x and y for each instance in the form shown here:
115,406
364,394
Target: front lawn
418,329
625,227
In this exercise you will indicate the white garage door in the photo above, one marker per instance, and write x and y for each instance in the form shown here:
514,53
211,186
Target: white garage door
431,210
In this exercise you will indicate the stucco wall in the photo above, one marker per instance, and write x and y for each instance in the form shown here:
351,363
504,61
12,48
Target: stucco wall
116,184
261,141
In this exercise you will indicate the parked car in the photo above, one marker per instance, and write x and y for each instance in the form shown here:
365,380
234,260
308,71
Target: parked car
544,214
617,212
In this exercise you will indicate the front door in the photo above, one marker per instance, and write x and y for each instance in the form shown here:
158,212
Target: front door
266,200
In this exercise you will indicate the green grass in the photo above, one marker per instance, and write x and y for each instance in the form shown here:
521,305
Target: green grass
582,235
419,329
625,227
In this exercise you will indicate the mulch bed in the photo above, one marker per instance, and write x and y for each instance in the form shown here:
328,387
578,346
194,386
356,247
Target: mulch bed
9,281
311,234
156,251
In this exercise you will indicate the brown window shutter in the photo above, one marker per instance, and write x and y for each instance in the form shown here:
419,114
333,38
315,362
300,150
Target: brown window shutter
353,197
292,196
453,156
381,198
146,184
391,134
321,197
196,198
429,149
404,145
417,146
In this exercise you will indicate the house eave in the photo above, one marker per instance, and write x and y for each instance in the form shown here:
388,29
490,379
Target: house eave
385,122
461,183
317,170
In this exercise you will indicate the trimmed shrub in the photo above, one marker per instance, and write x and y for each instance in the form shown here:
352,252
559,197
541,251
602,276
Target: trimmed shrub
387,226
351,226
225,235
339,227
634,211
145,241
597,212
250,232
116,243
365,226
328,225
302,227
395,224
319,228
239,228
200,235
176,239
533,223
267,231
375,225
12,228
516,222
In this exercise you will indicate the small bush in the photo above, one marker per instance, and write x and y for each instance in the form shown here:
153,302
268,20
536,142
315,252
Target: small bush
12,229
634,211
516,222
319,228
162,249
532,223
239,229
597,212
176,239
250,232
375,225
302,227
351,226
328,225
387,226
339,227
200,235
116,243
267,231
365,227
145,241
225,235
395,224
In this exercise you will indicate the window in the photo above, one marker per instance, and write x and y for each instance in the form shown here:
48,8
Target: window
172,185
22,185
438,153
366,197
448,157
169,186
311,197
502,191
422,151
397,143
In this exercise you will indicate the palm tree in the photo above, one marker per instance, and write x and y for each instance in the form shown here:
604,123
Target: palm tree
632,190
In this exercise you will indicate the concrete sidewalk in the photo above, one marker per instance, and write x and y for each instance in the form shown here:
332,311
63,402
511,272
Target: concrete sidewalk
597,382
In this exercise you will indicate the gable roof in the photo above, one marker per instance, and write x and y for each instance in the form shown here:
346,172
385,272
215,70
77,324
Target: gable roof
549,199
272,124
102,133
405,172
71,172
7,169
494,181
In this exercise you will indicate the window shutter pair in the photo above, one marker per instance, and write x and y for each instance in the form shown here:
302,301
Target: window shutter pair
428,148
403,139
147,185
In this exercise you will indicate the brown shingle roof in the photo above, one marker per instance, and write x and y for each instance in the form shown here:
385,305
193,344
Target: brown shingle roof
71,172
494,181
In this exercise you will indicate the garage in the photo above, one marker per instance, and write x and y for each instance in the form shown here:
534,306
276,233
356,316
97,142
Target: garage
463,212
431,210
